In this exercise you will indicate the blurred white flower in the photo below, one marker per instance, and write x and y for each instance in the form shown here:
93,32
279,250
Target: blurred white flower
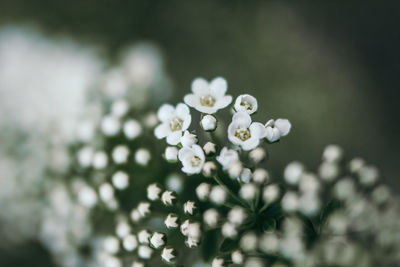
192,159
157,240
245,133
171,221
130,243
142,156
293,172
246,103
208,97
145,252
132,129
208,123
218,195
120,180
174,120
120,154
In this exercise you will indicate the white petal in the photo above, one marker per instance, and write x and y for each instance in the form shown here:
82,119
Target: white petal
272,134
191,100
283,126
242,119
200,86
162,130
218,86
182,110
269,123
231,134
185,153
165,112
257,130
198,152
223,102
187,119
251,143
174,138
207,110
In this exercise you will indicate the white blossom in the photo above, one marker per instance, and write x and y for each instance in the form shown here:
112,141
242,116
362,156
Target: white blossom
209,169
120,180
111,244
189,207
246,103
153,192
130,243
208,123
203,191
119,108
132,129
229,230
173,122
211,217
145,252
120,154
218,262
144,237
168,197
271,193
237,215
142,156
192,159
110,125
245,133
227,156
106,192
100,160
248,191
218,195
157,240
168,254
188,139
293,172
208,97
143,208
209,148
274,130
171,221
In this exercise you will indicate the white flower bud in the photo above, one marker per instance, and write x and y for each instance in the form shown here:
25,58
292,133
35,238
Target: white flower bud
237,257
235,169
100,160
145,252
229,230
293,172
192,242
120,154
106,192
309,184
208,123
110,125
248,242
345,189
328,171
188,139
143,208
137,264
209,169
246,175
248,191
123,229
218,262
246,103
368,175
194,230
209,148
226,157
171,154
174,182
185,228
111,245
171,221
381,194
218,195
120,180
271,193
87,196
211,217
168,197
356,164
254,262
189,207
111,261
119,108
269,243
132,129
168,254
332,153
260,176
85,156
144,237
135,215
203,191
290,201
142,156
237,215
157,240
153,192
257,155
130,243
151,120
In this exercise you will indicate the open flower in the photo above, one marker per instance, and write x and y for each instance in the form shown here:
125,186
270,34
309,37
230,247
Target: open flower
173,122
274,130
208,97
245,133
246,103
192,159
227,156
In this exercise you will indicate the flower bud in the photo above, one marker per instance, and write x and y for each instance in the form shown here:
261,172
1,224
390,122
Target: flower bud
209,169
209,148
208,123
171,154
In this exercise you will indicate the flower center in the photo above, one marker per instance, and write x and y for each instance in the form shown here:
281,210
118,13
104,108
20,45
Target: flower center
247,105
207,100
243,133
195,161
175,124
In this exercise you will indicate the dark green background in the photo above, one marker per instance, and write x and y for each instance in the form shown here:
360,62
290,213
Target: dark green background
331,67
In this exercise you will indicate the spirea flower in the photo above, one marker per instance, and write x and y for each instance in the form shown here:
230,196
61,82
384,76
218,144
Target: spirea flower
144,237
188,139
168,254
189,207
218,195
130,242
245,133
168,197
153,192
274,130
192,159
100,160
171,153
203,190
209,148
246,103
143,208
208,97
171,221
110,125
142,156
208,123
120,180
111,244
209,169
157,240
237,215
211,217
173,122
132,129
145,252
120,154
227,156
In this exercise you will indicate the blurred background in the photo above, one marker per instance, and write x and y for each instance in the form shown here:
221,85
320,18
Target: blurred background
330,67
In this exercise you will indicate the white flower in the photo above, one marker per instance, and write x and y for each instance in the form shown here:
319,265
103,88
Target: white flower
293,172
227,156
211,217
144,237
269,243
143,208
130,243
209,169
208,123
173,122
248,242
100,160
237,215
274,130
235,169
132,129
120,154
110,261
260,176
185,228
111,244
192,159
271,193
203,190
248,191
218,262
368,175
209,148
246,175
188,139
328,171
85,156
153,192
123,229
87,196
192,242
106,192
157,240
135,215
119,108
257,155
245,133
194,230
168,197
218,195
145,252
332,153
142,156
120,180
208,97
110,125
171,221
168,254
171,154
290,201
229,230
237,257
246,103
189,207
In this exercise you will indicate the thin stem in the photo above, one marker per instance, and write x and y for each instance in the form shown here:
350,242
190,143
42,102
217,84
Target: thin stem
233,195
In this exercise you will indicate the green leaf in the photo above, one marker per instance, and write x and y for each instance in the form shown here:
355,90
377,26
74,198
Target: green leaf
269,225
228,245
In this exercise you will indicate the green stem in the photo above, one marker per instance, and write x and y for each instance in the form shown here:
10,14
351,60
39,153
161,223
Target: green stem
233,195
